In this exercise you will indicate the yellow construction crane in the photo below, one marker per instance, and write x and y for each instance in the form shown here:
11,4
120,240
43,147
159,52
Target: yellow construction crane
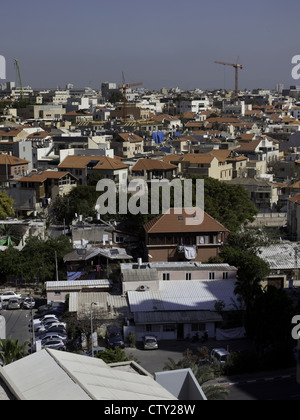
19,77
124,86
236,67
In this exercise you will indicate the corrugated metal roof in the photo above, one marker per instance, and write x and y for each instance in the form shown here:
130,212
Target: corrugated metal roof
112,304
77,284
58,375
183,296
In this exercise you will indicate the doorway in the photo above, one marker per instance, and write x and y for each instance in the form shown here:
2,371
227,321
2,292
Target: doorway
180,331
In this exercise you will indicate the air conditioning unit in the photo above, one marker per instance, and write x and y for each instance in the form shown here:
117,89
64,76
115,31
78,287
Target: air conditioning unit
143,288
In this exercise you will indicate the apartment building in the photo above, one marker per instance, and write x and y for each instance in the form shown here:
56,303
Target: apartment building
83,166
171,237
127,145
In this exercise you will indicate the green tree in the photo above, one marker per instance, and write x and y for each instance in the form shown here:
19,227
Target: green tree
12,350
38,257
112,355
229,204
6,205
203,373
80,200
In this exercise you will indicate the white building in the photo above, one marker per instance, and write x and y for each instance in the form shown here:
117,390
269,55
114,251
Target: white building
196,105
174,301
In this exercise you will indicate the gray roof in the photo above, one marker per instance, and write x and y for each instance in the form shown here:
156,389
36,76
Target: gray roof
58,375
78,284
139,275
85,254
184,296
281,256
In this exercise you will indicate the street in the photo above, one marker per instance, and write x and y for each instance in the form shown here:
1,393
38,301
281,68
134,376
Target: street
282,389
279,385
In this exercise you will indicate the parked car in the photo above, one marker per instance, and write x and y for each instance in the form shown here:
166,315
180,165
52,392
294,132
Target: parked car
220,356
97,350
54,328
58,314
59,307
5,296
150,342
28,303
57,329
13,303
54,344
43,328
54,336
40,321
114,337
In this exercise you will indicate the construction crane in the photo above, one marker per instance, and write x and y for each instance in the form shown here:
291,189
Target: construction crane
124,86
236,67
19,77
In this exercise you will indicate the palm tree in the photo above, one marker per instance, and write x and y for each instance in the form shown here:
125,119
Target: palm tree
203,374
11,350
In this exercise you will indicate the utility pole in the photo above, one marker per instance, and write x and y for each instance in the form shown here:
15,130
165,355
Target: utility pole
56,267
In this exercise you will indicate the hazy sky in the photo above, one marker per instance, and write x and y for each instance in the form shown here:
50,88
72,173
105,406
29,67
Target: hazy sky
162,43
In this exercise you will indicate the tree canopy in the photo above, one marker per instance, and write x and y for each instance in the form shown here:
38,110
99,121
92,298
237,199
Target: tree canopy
36,260
6,205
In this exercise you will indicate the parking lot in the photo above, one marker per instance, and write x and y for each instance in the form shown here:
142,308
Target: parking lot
17,327
154,360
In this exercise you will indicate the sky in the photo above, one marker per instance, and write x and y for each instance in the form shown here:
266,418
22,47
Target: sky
160,43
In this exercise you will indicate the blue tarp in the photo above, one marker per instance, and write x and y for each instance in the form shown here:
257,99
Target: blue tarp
158,137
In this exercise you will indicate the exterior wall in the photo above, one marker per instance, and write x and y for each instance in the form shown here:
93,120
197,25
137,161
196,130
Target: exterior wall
169,253
127,149
159,331
293,221
180,275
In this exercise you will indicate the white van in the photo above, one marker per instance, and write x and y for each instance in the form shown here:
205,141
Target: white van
220,356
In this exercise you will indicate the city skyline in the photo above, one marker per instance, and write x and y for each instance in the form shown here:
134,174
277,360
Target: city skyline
161,44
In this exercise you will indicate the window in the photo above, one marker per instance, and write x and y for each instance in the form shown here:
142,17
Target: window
148,328
166,276
198,327
225,275
211,276
188,276
169,328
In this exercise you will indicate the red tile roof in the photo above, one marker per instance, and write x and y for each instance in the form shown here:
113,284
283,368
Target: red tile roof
173,223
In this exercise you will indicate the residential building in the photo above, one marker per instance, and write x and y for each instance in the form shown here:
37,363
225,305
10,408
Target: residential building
261,149
195,105
35,191
150,169
127,145
133,111
177,236
107,89
42,112
83,166
12,168
210,165
174,301
78,116
263,194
